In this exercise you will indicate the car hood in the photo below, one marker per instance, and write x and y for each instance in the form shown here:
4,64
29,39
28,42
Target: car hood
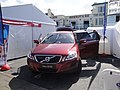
59,49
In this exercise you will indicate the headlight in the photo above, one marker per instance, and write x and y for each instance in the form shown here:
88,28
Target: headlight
71,55
30,56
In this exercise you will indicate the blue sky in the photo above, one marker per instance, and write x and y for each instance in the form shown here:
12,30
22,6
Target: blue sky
58,7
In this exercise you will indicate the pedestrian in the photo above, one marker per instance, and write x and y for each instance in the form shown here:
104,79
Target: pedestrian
95,35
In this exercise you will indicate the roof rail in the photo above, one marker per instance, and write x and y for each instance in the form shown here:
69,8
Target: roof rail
65,29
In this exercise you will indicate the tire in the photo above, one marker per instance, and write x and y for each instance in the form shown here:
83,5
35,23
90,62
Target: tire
95,57
79,68
34,72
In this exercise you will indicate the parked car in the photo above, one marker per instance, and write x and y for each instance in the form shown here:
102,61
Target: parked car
88,45
61,51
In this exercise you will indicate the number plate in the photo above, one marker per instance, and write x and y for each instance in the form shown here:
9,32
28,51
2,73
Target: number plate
47,66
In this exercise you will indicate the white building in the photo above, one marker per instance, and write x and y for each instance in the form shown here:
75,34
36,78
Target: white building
75,21
113,12
98,14
96,19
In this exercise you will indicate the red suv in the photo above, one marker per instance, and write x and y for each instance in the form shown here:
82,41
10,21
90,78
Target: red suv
61,51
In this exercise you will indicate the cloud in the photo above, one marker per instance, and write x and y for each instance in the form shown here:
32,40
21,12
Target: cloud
50,1
8,3
19,1
58,7
3,0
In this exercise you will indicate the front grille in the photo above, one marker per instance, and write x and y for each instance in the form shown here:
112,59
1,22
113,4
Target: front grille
48,58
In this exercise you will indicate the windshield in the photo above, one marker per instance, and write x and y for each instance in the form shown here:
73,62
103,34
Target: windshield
58,38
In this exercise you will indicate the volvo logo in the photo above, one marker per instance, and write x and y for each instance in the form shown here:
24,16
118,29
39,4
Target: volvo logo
47,59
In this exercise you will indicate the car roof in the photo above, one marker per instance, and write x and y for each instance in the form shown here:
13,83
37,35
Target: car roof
69,30
65,29
63,32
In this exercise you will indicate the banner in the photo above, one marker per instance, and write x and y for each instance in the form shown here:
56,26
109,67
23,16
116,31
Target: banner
5,38
1,28
4,33
1,40
105,20
4,44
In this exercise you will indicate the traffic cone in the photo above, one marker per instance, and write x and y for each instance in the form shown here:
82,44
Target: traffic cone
5,67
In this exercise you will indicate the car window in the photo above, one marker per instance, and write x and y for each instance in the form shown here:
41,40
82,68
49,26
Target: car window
58,38
82,36
94,36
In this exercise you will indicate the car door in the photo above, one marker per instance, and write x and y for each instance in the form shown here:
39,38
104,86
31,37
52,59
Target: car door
88,47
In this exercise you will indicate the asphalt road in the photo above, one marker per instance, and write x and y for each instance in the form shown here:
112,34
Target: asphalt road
88,79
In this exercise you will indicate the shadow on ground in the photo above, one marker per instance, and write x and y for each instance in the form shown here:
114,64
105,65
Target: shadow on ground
110,60
52,81
62,81
90,72
48,81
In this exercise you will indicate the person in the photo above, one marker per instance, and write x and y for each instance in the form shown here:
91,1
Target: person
95,35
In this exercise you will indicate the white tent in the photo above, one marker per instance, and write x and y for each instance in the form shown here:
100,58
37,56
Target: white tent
116,40
108,41
112,42
109,79
26,23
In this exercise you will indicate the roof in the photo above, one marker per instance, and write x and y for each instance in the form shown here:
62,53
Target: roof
99,3
27,12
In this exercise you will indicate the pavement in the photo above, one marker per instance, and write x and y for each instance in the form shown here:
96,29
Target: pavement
9,80
19,77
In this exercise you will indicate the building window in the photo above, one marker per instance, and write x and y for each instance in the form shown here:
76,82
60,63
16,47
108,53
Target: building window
57,23
102,14
101,9
96,21
117,18
55,17
95,15
86,15
100,21
86,24
73,24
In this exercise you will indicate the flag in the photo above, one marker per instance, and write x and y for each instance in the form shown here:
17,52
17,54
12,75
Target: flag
2,59
1,28
105,20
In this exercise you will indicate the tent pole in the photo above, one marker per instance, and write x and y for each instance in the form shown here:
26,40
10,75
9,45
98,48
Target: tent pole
32,36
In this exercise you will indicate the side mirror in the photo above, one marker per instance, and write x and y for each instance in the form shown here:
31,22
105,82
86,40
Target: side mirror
36,41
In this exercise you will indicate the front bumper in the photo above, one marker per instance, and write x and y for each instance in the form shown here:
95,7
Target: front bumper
65,66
